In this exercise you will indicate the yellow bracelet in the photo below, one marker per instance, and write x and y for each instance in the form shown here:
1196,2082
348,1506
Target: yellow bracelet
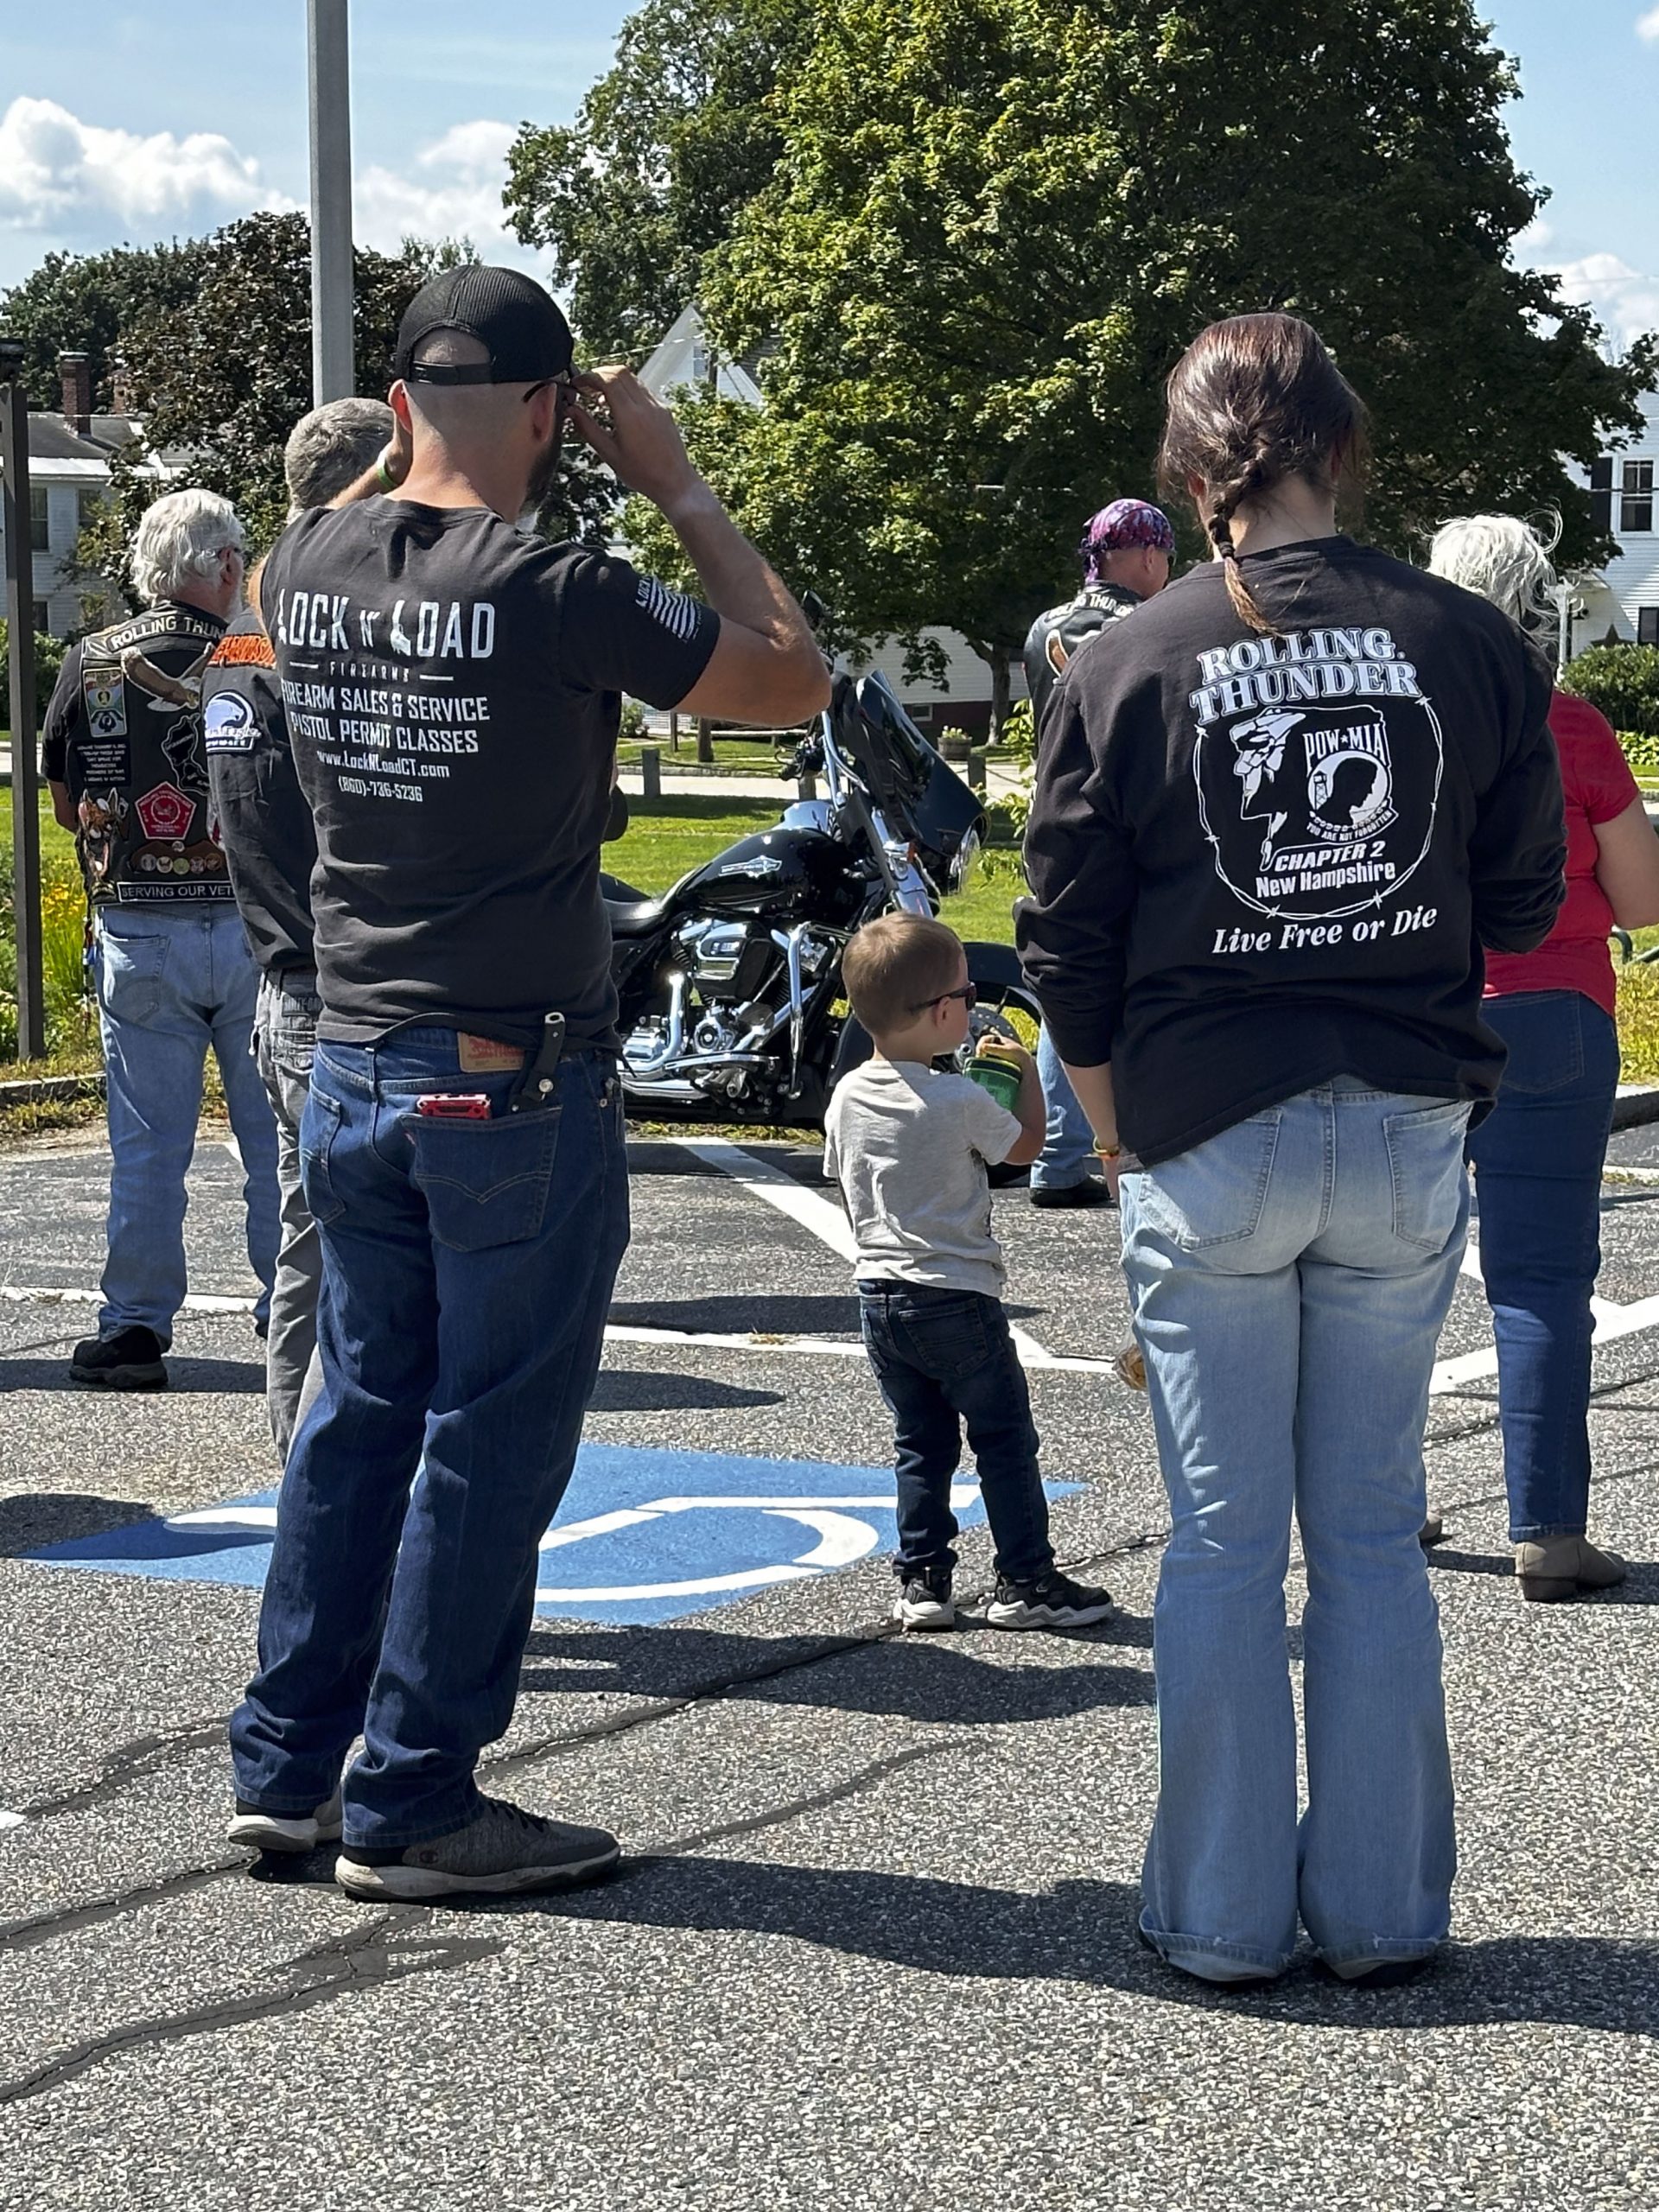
1108,1152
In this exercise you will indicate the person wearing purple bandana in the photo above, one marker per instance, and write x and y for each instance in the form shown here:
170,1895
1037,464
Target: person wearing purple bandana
1126,553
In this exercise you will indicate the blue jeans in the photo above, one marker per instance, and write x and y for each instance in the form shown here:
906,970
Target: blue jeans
467,1268
942,1359
172,983
1538,1160
1068,1152
285,1038
1289,1279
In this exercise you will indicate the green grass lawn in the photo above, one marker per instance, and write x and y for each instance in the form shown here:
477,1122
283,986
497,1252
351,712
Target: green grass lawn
683,832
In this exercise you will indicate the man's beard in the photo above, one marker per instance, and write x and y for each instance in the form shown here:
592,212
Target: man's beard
544,473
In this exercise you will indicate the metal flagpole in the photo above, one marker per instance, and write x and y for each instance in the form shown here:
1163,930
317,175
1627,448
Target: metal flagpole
334,374
20,619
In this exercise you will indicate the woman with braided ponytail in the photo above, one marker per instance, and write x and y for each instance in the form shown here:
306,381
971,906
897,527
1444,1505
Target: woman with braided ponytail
1276,817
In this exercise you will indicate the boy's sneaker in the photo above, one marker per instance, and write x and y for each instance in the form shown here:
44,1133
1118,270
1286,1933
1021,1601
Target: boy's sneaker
130,1360
502,1852
286,1831
1054,1601
925,1599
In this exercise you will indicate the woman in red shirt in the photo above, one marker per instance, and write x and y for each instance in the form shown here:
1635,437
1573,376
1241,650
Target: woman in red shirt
1538,1157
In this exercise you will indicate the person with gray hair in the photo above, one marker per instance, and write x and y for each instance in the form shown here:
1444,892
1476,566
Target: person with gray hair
1538,1156
331,448
271,847
122,750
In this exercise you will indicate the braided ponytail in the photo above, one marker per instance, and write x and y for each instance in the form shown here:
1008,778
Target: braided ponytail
1252,402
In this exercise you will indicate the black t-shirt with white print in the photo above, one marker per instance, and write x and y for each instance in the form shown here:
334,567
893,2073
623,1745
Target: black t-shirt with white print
1257,862
453,695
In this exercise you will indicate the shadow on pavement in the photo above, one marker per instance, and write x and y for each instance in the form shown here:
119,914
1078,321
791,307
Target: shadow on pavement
32,1519
627,1390
197,1377
936,1680
1085,1932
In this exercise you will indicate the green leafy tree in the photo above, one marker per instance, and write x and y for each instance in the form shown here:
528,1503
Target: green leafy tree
994,225
669,148
220,381
77,303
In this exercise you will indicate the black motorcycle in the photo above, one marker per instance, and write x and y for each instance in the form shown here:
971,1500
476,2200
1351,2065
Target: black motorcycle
730,983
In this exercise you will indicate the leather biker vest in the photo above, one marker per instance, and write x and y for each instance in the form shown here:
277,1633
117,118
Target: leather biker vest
135,767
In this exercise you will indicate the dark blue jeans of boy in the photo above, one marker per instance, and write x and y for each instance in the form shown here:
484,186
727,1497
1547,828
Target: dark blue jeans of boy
943,1359
467,1267
1538,1158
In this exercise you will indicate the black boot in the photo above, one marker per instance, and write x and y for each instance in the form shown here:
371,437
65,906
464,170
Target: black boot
130,1360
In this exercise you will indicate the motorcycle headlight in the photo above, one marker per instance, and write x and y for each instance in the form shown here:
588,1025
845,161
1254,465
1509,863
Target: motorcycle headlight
966,862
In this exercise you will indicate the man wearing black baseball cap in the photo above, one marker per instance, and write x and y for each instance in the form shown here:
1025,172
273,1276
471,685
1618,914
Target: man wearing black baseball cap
453,695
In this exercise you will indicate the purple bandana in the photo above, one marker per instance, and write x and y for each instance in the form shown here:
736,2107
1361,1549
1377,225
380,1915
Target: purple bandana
1126,522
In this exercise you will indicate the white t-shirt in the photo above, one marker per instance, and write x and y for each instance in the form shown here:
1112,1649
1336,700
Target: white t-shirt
909,1149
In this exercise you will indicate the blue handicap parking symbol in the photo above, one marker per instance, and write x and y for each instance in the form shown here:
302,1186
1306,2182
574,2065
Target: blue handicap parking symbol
642,1536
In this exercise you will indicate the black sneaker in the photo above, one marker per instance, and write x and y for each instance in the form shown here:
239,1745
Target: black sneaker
502,1852
1092,1192
1056,1601
925,1599
130,1360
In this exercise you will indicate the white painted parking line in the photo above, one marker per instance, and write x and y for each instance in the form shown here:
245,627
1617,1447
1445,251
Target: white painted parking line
821,1215
56,1294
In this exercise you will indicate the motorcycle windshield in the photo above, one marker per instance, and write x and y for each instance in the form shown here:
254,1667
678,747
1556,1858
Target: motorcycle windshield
922,798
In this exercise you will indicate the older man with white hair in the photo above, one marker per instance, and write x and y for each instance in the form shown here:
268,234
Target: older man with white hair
122,750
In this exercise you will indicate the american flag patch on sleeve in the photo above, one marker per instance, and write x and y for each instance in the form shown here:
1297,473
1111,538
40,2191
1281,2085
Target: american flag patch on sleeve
676,613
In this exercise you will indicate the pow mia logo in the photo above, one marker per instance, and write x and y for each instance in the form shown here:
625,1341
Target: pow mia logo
1322,811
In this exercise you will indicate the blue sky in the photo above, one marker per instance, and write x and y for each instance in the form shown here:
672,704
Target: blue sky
152,122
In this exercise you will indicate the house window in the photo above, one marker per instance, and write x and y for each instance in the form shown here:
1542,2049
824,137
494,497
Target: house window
1647,625
921,710
87,507
1601,495
38,536
42,617
1635,502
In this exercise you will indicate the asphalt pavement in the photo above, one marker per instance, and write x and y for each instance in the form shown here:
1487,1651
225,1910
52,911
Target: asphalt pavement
872,1950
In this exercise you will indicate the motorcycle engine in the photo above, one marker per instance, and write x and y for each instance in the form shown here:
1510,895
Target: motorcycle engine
725,989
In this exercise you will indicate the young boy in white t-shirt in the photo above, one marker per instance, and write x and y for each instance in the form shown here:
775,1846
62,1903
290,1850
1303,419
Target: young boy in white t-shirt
909,1147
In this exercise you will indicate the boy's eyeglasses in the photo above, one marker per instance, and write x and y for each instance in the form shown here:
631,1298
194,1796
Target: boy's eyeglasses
968,994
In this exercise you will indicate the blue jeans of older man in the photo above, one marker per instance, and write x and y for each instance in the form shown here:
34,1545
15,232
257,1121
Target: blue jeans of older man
1289,1278
467,1273
174,983
1068,1155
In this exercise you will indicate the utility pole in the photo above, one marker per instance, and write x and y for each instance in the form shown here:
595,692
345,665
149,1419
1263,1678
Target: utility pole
20,623
333,369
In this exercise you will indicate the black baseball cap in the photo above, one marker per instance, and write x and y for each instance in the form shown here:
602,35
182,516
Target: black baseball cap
518,323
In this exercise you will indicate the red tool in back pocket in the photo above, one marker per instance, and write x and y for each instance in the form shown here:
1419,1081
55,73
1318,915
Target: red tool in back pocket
454,1106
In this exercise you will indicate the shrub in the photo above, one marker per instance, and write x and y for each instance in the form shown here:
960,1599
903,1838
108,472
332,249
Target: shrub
635,723
48,659
1623,682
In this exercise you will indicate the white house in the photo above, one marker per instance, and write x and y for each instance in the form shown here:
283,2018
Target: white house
1621,599
69,457
685,361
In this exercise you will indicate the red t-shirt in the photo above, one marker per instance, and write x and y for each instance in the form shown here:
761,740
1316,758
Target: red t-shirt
1597,780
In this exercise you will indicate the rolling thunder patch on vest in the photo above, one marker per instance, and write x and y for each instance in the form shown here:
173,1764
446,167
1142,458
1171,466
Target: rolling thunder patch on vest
1319,762
135,767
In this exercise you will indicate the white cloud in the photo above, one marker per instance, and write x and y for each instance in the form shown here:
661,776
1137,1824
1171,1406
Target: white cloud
79,180
455,191
1647,27
1623,300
